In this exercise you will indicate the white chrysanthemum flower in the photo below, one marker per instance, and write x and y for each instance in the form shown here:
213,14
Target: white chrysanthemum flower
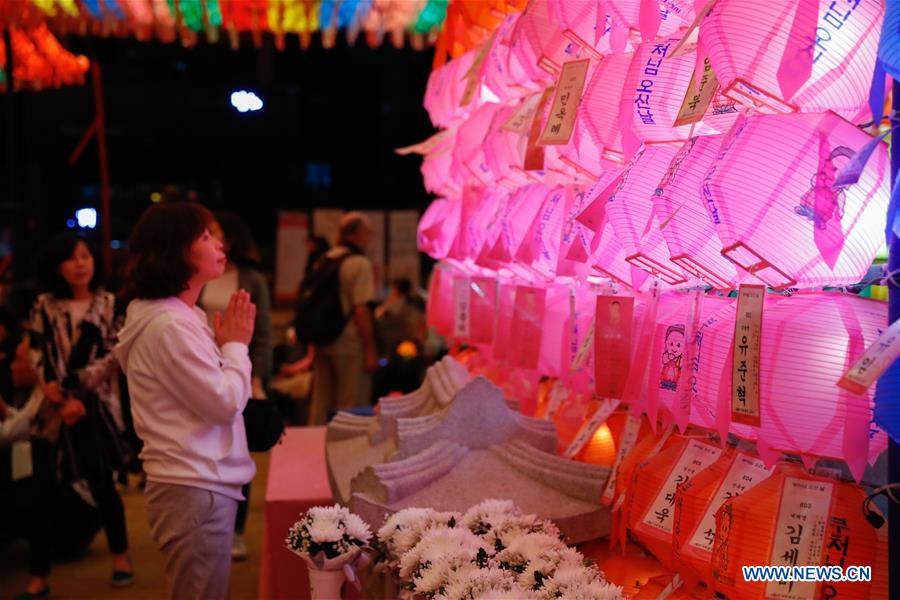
580,583
488,514
530,547
408,518
470,582
357,529
325,531
441,551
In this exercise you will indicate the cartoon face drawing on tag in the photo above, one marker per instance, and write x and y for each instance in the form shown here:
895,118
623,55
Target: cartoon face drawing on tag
822,182
671,358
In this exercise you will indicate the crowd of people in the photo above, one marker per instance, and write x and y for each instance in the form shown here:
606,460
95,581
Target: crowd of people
155,378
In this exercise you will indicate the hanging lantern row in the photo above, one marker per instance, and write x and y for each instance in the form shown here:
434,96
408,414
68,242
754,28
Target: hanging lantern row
39,61
170,20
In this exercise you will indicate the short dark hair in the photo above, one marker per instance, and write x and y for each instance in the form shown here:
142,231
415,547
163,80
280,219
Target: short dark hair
239,245
56,251
158,264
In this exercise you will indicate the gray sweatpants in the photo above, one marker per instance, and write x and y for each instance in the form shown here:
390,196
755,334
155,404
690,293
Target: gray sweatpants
193,528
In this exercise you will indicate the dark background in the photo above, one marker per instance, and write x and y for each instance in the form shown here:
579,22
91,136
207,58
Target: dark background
324,138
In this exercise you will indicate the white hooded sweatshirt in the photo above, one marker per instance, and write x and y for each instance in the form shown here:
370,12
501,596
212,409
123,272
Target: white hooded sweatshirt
187,397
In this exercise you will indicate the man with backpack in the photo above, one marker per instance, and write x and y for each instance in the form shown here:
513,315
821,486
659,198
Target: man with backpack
333,315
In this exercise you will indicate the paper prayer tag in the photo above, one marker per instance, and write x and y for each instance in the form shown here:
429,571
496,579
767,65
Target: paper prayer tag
745,406
745,472
569,87
697,98
799,534
534,154
873,362
695,457
461,307
590,427
520,120
629,439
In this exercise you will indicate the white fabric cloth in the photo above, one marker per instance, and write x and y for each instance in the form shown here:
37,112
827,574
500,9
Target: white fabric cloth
17,424
187,397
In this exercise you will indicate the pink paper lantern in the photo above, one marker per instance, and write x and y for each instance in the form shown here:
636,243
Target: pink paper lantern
515,227
539,44
437,170
497,75
690,235
746,41
440,300
770,195
801,360
469,161
654,89
579,22
673,14
439,227
630,210
480,229
601,103
669,353
504,152
444,92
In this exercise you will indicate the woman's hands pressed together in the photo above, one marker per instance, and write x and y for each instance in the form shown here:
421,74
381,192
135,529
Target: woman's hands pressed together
236,324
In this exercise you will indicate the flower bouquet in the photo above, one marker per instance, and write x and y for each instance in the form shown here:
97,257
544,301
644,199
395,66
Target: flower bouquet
492,551
331,540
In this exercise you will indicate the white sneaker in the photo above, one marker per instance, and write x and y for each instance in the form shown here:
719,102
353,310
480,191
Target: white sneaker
238,548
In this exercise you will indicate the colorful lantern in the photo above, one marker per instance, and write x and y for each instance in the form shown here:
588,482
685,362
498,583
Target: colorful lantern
793,518
445,89
651,505
696,504
469,161
802,410
630,210
749,46
600,104
671,353
770,195
438,227
690,235
654,89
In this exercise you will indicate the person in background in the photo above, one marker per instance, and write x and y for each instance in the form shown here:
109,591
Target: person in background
402,333
241,274
189,385
342,370
72,334
316,247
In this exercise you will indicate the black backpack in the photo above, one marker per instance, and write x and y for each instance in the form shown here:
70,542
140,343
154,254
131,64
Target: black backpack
320,317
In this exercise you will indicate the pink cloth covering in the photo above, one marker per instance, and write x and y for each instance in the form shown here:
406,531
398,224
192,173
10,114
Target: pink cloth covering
298,480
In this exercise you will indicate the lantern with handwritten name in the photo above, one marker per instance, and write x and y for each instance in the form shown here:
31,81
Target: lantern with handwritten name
801,408
651,506
630,210
696,504
579,22
480,229
762,54
539,250
770,194
688,229
796,519
647,447
655,86
515,232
